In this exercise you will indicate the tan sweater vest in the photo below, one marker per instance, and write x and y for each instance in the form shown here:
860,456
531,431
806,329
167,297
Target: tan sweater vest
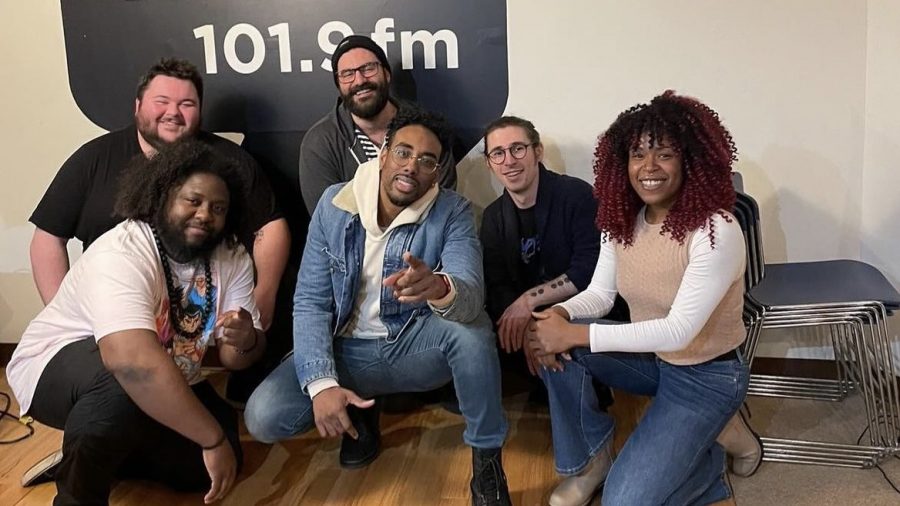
648,275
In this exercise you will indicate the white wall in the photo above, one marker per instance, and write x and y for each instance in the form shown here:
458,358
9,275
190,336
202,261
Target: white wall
788,78
880,219
41,127
807,88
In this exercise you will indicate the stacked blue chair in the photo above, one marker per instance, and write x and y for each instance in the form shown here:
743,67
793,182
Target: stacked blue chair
852,300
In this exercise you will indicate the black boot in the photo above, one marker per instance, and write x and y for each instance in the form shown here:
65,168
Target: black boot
488,483
356,453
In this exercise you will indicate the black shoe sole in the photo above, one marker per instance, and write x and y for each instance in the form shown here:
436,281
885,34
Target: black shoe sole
357,464
366,421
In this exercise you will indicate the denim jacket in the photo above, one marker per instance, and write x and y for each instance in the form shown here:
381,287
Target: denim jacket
328,282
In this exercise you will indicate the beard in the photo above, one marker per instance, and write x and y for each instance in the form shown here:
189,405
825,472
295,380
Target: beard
173,239
148,130
373,106
401,201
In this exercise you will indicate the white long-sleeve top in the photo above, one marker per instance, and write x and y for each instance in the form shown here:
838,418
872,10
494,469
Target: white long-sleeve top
712,282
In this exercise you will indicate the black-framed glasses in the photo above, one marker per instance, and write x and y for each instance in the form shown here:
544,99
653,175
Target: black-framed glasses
517,150
402,156
367,70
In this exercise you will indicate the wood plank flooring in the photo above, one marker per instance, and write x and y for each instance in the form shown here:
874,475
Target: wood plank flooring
423,462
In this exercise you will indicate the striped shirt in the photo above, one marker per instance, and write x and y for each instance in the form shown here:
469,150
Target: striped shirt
368,146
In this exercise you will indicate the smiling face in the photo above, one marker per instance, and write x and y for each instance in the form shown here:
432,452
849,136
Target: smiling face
364,97
403,185
518,176
195,216
168,110
655,173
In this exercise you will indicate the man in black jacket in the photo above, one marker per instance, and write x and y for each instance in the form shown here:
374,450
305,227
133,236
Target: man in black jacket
540,241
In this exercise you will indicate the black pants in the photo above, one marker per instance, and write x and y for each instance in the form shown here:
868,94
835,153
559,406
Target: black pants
107,436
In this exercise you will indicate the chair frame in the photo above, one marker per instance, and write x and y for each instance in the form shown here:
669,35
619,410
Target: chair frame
863,360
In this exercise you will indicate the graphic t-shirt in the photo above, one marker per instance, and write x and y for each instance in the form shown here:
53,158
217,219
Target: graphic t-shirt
529,247
188,353
118,285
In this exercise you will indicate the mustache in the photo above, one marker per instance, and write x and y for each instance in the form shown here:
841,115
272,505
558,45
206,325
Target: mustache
362,87
406,179
173,119
198,224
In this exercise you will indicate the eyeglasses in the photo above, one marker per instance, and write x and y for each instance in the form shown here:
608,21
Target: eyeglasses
517,151
402,156
368,70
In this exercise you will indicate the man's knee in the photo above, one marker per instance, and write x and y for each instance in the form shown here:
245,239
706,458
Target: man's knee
105,411
270,419
474,341
258,415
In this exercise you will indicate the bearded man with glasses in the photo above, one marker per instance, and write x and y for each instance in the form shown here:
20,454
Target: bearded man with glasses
353,132
390,298
540,242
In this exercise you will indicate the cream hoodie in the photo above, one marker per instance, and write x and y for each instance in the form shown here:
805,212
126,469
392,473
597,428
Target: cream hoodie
360,196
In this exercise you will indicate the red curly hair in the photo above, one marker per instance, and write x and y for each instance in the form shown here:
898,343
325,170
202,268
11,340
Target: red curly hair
707,153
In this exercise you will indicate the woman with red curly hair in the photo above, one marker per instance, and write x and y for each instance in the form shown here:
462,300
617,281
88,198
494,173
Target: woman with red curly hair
676,255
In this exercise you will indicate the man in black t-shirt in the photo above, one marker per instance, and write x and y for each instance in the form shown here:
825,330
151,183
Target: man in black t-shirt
79,201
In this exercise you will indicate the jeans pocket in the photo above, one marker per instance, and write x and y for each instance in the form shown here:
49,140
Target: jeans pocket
721,383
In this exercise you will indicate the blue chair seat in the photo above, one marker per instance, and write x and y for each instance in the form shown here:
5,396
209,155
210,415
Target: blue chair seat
824,282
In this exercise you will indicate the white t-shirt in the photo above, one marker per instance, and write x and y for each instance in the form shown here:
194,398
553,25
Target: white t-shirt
119,284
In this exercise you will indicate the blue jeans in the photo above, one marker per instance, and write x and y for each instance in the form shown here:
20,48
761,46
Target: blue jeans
672,456
431,353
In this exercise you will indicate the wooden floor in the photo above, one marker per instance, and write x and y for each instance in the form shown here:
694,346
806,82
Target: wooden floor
423,462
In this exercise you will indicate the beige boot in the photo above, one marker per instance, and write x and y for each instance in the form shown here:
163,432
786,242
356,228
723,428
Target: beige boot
742,444
578,490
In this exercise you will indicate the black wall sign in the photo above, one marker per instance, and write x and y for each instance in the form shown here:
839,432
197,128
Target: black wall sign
267,67
266,64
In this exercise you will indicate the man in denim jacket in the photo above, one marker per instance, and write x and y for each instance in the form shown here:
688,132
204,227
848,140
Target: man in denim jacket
390,299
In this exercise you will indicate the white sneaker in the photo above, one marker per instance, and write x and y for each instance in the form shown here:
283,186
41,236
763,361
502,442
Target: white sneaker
578,490
43,471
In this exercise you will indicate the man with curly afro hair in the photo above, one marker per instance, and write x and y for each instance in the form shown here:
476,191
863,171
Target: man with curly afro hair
114,359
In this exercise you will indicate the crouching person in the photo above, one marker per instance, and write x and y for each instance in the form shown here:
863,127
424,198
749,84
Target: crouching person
114,359
389,299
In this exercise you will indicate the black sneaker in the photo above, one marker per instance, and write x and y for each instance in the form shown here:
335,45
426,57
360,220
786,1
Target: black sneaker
488,483
356,453
44,471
